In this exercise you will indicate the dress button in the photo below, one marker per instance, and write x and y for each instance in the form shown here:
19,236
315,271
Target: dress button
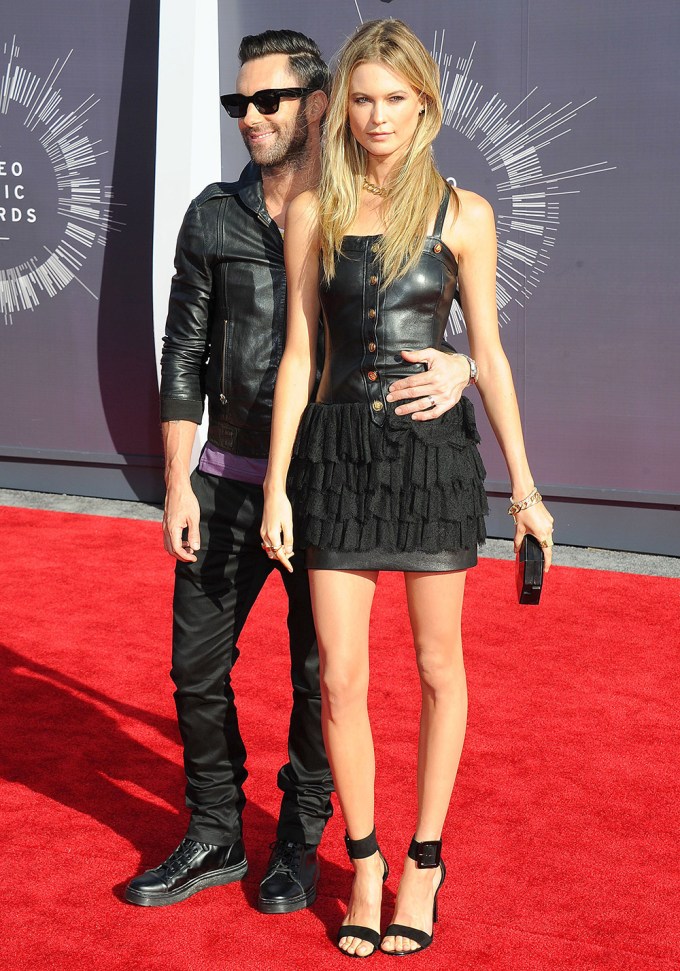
371,313
372,376
377,406
374,280
373,347
375,248
437,247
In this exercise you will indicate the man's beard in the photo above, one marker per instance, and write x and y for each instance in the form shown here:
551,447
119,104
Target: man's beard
289,148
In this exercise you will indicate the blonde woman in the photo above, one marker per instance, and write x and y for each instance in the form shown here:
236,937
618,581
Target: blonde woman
379,250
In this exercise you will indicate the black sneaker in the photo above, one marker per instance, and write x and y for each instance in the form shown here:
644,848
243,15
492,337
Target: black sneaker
191,867
291,878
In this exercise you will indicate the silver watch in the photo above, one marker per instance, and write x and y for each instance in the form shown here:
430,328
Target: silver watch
474,371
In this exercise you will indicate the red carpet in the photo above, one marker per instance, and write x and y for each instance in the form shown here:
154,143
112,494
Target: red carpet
562,838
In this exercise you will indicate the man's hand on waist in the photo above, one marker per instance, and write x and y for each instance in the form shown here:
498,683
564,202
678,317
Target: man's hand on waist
430,393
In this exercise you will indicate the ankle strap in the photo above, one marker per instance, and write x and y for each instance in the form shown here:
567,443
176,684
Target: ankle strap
360,849
427,854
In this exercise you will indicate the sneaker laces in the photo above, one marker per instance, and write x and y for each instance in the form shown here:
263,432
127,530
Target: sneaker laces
185,853
286,856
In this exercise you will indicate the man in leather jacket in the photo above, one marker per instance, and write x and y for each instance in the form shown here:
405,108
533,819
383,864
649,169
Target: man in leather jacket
224,339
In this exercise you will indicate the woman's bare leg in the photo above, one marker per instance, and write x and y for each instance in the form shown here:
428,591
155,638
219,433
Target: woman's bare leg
435,604
342,606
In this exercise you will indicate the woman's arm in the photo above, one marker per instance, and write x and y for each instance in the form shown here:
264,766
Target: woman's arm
473,237
296,372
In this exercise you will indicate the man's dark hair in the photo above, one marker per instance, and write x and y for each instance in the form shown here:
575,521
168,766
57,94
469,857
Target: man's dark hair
303,53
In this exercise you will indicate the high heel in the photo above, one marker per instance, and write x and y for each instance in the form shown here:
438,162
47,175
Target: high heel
427,855
360,850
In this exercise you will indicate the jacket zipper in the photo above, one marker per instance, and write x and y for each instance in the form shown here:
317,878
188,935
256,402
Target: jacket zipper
223,399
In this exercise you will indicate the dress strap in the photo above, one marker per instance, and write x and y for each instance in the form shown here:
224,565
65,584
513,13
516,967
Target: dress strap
441,213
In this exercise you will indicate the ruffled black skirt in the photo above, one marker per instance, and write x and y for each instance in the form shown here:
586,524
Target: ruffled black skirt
406,495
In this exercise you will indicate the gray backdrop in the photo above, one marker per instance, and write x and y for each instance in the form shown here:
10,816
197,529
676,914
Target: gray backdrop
563,115
79,401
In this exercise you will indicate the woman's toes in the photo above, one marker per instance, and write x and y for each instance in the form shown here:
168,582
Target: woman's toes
354,945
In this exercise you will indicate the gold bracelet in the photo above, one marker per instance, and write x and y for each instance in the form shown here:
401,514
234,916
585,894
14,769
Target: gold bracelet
531,500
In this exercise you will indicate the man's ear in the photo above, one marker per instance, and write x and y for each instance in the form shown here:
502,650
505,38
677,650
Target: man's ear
317,102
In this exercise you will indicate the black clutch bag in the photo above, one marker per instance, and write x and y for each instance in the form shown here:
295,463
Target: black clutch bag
529,570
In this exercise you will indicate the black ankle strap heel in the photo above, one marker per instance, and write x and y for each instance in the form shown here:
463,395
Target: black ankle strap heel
361,850
427,855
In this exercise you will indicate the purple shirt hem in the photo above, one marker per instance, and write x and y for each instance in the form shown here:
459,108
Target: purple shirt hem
217,461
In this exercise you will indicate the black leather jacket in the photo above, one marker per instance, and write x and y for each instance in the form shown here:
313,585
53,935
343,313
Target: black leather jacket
226,325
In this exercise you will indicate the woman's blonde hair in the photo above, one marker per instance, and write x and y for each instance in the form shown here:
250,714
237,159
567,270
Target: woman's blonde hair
415,188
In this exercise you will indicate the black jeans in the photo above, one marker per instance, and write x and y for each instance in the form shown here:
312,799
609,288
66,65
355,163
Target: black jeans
212,600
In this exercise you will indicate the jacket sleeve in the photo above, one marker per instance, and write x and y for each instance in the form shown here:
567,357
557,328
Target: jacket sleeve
186,342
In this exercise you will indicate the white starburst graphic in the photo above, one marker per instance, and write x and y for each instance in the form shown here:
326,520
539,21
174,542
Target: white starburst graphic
84,204
528,198
527,203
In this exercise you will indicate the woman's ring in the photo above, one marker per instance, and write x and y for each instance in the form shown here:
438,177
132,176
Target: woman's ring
271,549
432,401
546,543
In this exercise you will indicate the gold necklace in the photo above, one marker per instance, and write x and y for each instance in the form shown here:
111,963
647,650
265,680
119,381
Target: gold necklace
377,190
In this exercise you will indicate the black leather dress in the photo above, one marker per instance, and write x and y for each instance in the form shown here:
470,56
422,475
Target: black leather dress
372,489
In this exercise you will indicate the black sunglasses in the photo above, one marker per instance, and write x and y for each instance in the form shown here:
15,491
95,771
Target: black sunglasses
266,101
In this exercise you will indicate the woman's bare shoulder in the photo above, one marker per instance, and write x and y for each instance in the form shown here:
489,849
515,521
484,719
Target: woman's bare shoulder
301,235
304,208
472,217
472,207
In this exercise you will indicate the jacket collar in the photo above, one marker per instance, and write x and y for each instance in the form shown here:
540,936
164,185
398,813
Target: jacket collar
249,190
